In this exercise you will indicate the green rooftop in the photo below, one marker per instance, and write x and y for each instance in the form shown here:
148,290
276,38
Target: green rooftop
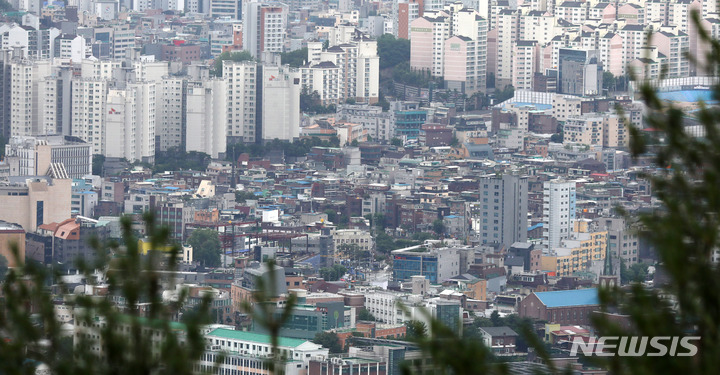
255,337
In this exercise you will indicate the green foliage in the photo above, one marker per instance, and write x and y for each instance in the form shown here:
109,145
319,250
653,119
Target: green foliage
3,267
365,315
613,84
329,340
415,330
635,273
296,148
32,333
97,164
418,78
3,142
334,273
685,234
504,94
353,252
383,103
392,51
490,80
310,102
243,195
5,6
396,142
295,58
206,247
175,159
422,236
438,226
252,149
384,243
216,71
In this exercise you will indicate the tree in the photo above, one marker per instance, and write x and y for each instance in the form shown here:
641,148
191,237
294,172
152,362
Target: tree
97,164
295,58
384,243
206,247
415,330
241,196
635,273
490,82
3,267
557,138
312,103
328,340
422,236
396,142
216,71
378,221
684,232
175,159
392,51
334,273
365,315
32,334
608,81
438,226
505,94
495,318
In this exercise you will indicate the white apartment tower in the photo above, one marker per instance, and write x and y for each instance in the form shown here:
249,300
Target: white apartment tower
356,64
169,113
264,27
33,98
242,80
88,111
130,122
207,117
558,212
507,37
281,103
427,43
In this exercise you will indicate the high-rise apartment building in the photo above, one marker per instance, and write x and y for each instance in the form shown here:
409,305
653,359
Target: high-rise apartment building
243,84
170,113
404,13
225,8
427,44
264,27
500,216
207,114
281,103
507,37
558,211
89,97
355,62
33,98
130,122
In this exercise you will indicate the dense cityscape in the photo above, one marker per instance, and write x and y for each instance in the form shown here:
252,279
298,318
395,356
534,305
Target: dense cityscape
382,164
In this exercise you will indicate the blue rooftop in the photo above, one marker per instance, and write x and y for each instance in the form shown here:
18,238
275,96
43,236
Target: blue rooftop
563,298
687,96
538,225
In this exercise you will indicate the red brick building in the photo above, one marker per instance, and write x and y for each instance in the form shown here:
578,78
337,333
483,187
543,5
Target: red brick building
566,307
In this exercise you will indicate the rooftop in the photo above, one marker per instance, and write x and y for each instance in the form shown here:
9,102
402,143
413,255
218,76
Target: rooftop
564,298
254,337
